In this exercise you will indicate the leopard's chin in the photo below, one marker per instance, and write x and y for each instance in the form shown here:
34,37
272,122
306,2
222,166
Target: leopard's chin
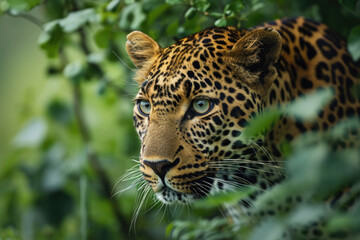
170,196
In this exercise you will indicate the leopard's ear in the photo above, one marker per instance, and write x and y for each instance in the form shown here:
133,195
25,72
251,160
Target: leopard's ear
143,51
256,50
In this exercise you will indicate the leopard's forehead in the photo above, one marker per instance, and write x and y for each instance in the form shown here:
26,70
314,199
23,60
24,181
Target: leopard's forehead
192,66
202,46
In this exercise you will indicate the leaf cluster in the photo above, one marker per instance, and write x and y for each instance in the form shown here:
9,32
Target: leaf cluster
58,177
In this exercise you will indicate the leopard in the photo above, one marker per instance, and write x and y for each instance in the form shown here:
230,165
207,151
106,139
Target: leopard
197,96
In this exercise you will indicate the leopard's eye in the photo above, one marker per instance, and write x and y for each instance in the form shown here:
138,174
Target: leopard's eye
144,107
202,106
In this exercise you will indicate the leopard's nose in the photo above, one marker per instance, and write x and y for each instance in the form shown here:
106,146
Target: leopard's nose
161,167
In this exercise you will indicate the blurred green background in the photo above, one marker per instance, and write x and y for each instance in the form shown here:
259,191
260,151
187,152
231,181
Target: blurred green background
66,133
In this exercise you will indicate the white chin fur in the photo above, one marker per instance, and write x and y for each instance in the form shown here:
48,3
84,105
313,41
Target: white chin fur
169,196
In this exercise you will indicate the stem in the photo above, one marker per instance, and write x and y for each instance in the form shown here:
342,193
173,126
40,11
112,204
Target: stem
83,213
93,157
39,23
85,132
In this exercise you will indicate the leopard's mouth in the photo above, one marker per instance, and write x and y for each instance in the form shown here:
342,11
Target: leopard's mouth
169,195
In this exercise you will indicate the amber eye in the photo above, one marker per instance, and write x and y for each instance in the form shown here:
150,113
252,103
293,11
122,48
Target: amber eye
202,106
144,107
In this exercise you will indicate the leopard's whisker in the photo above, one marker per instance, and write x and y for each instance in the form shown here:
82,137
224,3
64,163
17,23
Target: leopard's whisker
215,168
248,160
239,164
134,70
223,170
268,154
132,185
237,185
144,194
130,171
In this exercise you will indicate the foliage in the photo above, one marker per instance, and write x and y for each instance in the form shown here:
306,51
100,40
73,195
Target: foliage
313,176
58,178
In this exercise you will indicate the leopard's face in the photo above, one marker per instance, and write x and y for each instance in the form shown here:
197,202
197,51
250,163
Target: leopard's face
194,102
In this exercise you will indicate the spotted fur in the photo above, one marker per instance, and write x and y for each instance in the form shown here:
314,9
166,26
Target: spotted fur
185,155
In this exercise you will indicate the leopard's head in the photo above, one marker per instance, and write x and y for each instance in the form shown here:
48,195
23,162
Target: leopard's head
196,97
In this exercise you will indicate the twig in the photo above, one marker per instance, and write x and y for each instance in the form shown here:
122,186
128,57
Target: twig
39,23
86,135
93,157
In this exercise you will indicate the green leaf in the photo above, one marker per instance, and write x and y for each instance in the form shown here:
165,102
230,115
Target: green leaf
354,43
221,22
59,112
132,16
307,159
190,13
257,6
172,2
215,14
169,229
32,134
75,20
227,7
4,6
304,214
228,12
349,4
202,229
74,71
102,87
172,28
55,206
270,229
342,129
278,193
202,5
285,148
221,198
9,233
96,57
102,38
157,13
261,123
348,220
54,173
51,39
112,5
19,6
308,106
236,5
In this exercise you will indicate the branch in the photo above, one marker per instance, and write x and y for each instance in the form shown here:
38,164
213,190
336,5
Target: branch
86,134
94,159
39,23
